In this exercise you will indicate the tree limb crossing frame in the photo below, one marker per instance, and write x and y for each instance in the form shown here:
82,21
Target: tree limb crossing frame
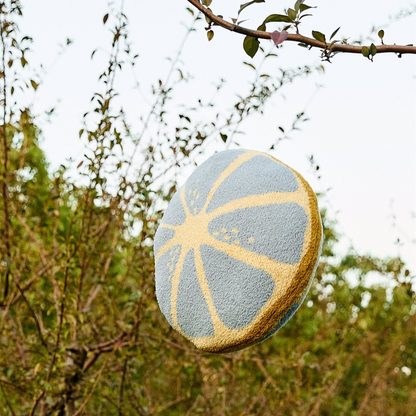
258,34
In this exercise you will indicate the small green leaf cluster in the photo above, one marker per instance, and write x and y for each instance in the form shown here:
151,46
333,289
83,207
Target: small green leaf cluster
326,52
369,52
292,16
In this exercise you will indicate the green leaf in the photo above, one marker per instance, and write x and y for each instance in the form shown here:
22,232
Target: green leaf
47,386
244,5
34,84
277,18
250,65
105,18
334,33
251,46
298,4
224,137
262,27
373,49
365,51
210,34
381,34
292,14
206,2
304,7
319,36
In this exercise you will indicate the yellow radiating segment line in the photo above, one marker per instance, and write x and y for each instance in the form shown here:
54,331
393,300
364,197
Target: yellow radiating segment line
278,271
306,193
173,241
183,201
175,286
203,283
166,247
162,250
259,200
171,227
230,169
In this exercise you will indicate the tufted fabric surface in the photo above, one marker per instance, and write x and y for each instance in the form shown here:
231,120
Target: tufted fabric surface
236,250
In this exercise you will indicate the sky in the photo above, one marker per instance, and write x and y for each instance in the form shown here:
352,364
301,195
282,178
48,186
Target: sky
361,129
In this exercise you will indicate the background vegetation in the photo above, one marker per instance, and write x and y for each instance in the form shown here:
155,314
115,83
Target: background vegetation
80,329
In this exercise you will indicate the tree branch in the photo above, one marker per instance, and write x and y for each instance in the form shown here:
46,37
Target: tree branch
259,34
38,326
7,401
84,404
5,161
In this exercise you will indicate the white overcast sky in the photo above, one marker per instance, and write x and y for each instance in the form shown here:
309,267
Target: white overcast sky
361,131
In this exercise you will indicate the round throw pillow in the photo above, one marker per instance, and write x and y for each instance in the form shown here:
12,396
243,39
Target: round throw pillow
236,250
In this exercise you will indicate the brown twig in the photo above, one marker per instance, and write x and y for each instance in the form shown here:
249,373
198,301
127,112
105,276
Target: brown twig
269,380
104,345
9,405
31,233
35,317
12,385
37,400
194,405
170,404
373,386
294,37
123,379
81,409
58,337
5,167
29,282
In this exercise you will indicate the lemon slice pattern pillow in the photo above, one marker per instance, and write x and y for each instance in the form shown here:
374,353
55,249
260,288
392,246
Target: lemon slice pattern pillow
236,250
